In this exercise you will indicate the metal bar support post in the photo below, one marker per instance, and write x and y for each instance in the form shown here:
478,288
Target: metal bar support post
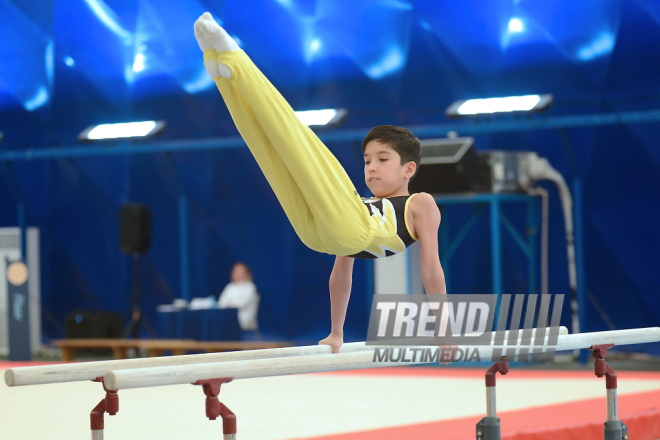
215,408
488,428
109,404
614,428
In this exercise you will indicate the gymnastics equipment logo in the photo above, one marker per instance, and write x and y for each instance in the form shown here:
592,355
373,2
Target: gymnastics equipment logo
457,328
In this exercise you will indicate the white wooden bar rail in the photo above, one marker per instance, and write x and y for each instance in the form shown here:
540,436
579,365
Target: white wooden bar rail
185,374
91,370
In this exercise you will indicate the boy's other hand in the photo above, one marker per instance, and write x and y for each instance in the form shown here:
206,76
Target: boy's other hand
334,341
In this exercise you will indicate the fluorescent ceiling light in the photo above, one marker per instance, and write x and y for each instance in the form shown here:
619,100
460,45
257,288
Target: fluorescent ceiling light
474,107
122,130
494,105
327,117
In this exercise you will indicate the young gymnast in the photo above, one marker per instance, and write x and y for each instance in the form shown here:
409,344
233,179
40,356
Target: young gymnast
314,190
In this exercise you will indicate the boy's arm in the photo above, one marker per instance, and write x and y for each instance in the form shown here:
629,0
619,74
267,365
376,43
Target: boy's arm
340,291
426,221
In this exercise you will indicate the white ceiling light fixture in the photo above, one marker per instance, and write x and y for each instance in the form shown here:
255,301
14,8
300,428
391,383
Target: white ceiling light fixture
508,104
322,118
124,130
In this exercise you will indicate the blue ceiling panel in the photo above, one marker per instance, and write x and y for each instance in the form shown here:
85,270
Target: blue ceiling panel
39,12
473,30
273,34
7,99
650,7
27,58
164,45
634,78
117,55
97,43
585,32
375,36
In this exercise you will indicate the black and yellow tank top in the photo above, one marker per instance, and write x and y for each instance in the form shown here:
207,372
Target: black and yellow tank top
393,235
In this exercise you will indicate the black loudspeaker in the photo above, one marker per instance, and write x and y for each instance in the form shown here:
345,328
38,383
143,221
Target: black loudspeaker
134,229
97,325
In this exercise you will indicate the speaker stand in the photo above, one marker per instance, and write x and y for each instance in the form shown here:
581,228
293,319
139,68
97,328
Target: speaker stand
137,318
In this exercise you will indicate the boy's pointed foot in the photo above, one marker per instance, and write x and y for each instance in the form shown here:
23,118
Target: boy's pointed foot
214,34
210,35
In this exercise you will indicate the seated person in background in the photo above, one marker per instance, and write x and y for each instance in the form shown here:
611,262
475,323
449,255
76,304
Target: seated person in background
241,293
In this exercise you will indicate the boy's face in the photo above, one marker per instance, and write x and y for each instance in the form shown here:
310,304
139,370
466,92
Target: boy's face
383,172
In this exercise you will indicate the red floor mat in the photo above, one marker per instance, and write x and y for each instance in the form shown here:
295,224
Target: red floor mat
578,420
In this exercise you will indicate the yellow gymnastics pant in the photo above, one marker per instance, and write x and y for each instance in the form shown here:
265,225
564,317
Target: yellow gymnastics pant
311,185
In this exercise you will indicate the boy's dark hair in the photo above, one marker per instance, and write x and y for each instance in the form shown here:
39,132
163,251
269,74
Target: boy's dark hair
400,140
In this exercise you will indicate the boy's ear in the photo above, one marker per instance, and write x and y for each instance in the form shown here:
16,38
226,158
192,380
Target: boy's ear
410,168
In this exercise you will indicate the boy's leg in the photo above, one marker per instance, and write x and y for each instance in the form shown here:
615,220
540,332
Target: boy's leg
271,164
278,176
310,183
